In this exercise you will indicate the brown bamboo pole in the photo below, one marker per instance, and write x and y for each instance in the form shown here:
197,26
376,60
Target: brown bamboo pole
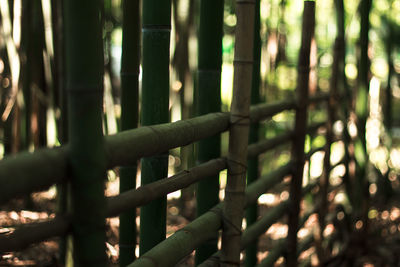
268,144
324,181
265,110
45,167
298,155
238,134
318,98
37,232
267,181
134,198
41,169
146,193
253,232
262,226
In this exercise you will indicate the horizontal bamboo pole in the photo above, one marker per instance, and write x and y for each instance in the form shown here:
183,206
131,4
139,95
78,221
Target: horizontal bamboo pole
259,187
39,170
185,245
134,198
318,97
268,144
184,241
144,194
261,226
33,233
262,111
253,232
29,172
37,232
280,248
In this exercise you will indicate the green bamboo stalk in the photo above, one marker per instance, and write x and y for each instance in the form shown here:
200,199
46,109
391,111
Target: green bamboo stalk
25,73
209,100
238,134
361,109
298,155
84,74
130,62
155,101
252,163
60,99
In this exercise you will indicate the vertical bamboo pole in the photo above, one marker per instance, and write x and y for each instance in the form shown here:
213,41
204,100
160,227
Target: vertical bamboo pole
155,100
346,94
209,100
238,134
298,155
252,171
84,73
361,156
324,180
130,62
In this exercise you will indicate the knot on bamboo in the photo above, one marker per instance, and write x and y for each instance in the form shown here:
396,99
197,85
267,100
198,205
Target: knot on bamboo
239,119
236,167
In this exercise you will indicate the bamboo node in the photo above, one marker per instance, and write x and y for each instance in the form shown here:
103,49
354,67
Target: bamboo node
243,61
235,162
238,119
246,2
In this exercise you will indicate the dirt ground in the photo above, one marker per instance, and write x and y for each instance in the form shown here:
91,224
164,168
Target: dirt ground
382,247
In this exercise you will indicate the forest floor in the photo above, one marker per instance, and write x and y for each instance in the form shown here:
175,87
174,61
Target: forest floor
381,248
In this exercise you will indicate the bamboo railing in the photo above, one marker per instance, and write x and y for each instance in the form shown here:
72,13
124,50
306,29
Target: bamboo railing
39,170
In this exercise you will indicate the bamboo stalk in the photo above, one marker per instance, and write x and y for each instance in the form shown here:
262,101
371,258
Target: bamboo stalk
300,130
324,180
48,166
209,100
115,205
268,144
155,109
360,190
267,181
86,158
262,226
262,111
41,169
130,61
252,163
318,97
143,195
149,192
238,134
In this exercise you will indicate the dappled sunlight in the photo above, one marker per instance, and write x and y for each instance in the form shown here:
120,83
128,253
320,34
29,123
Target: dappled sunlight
277,231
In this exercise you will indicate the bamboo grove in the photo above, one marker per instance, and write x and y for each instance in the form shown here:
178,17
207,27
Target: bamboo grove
62,63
